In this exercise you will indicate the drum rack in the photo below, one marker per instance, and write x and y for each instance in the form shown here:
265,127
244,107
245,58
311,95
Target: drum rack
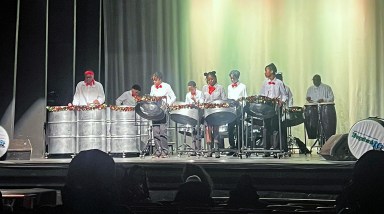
320,139
277,153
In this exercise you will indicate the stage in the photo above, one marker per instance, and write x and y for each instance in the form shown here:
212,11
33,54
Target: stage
302,176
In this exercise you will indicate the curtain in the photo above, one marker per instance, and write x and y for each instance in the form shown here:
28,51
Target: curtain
340,40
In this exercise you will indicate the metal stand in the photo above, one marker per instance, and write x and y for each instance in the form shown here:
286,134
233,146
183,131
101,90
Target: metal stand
320,140
187,148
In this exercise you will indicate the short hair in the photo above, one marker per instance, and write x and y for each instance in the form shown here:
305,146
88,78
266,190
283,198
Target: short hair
234,73
192,83
158,75
136,87
271,67
317,77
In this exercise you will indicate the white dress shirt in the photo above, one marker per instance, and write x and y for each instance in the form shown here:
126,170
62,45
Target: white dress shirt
164,90
198,97
236,92
289,96
217,94
322,92
127,99
85,95
273,89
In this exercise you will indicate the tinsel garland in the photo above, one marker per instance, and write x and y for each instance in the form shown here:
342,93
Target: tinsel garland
213,105
151,98
76,108
260,99
183,106
122,108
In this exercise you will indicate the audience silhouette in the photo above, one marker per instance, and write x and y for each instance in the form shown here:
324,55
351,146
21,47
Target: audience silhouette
134,187
364,193
193,193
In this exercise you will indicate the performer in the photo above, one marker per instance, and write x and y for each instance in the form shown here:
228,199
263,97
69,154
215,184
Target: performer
319,92
211,92
322,94
88,91
161,89
273,88
129,98
236,90
194,96
288,91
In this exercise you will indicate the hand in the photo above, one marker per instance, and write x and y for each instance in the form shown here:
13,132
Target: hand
309,99
280,103
96,102
70,104
194,99
320,100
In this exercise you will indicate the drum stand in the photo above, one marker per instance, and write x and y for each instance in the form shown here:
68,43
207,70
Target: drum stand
187,148
320,140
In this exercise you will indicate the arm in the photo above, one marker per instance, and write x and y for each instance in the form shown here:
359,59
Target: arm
121,99
171,96
283,92
222,94
330,97
76,97
101,95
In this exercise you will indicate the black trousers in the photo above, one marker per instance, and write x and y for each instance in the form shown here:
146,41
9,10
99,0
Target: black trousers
234,128
272,134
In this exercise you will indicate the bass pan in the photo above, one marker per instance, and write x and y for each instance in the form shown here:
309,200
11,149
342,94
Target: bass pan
366,135
219,112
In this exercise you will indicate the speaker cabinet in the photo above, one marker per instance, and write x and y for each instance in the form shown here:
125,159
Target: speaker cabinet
336,148
19,149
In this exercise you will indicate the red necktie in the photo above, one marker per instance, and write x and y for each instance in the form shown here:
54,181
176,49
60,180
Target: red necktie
211,89
234,85
271,83
90,83
158,86
193,94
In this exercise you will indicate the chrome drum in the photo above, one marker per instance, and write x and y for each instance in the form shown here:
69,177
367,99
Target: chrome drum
91,130
219,112
61,132
184,113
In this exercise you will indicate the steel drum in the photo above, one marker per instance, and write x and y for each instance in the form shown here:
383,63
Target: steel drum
124,130
219,112
260,106
91,129
61,131
150,110
294,116
183,113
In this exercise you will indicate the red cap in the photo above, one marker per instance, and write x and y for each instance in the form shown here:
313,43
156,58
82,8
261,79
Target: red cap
89,73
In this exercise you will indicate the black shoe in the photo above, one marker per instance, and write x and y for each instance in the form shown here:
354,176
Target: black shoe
193,154
209,154
235,155
217,154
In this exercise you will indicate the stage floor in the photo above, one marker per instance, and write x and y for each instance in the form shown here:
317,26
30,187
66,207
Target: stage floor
304,174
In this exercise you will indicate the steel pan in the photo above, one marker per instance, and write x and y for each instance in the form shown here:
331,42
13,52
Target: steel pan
61,132
219,112
124,130
184,113
150,110
294,116
260,106
91,130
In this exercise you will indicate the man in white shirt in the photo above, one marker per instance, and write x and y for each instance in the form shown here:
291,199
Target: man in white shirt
129,98
319,92
88,91
236,90
273,88
161,89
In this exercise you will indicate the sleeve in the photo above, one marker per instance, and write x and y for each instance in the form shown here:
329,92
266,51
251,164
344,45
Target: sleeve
76,97
186,98
330,96
171,96
308,93
201,98
283,93
290,98
245,92
152,93
101,95
121,99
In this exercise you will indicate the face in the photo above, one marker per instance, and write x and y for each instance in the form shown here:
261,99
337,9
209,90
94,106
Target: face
233,78
316,81
211,80
156,81
268,73
88,78
135,92
191,89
